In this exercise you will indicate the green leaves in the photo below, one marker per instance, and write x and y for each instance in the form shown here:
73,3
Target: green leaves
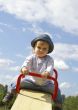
2,92
71,103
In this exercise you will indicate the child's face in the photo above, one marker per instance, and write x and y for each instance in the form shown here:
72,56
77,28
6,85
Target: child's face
41,48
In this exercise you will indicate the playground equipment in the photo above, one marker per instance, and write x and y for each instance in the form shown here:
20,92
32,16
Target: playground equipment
34,100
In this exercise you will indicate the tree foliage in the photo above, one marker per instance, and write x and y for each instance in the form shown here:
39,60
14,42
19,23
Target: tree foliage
71,103
2,92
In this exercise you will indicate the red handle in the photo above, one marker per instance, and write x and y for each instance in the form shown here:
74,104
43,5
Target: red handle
54,95
56,74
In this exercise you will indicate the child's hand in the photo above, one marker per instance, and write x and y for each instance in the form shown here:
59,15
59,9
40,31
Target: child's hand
45,74
24,71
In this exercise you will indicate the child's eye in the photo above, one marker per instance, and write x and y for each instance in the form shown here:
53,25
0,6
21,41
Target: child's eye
44,48
39,47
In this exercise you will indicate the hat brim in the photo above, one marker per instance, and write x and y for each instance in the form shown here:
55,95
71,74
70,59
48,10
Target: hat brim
51,45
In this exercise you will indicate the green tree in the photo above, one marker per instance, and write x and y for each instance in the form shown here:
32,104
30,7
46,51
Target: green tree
71,103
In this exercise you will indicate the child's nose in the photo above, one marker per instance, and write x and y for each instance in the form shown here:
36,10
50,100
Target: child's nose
41,49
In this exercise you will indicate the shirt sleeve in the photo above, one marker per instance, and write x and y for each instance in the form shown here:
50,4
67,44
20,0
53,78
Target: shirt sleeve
50,66
27,63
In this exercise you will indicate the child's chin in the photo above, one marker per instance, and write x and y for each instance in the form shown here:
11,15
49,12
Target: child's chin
41,56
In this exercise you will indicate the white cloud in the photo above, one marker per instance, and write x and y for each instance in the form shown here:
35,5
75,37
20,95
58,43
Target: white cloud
35,29
7,26
16,68
75,69
20,56
65,85
65,51
5,62
4,24
8,77
69,89
60,64
62,13
5,79
7,65
1,30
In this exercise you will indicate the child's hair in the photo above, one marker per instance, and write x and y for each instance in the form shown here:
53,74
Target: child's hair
46,38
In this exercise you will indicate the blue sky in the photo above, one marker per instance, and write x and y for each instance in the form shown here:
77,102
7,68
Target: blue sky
21,21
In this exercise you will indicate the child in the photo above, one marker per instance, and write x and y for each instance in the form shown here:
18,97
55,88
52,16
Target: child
39,62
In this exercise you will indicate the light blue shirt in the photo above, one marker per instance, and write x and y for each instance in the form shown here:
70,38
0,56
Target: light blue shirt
39,65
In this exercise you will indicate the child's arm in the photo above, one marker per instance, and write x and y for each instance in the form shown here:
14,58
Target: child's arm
49,68
27,65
